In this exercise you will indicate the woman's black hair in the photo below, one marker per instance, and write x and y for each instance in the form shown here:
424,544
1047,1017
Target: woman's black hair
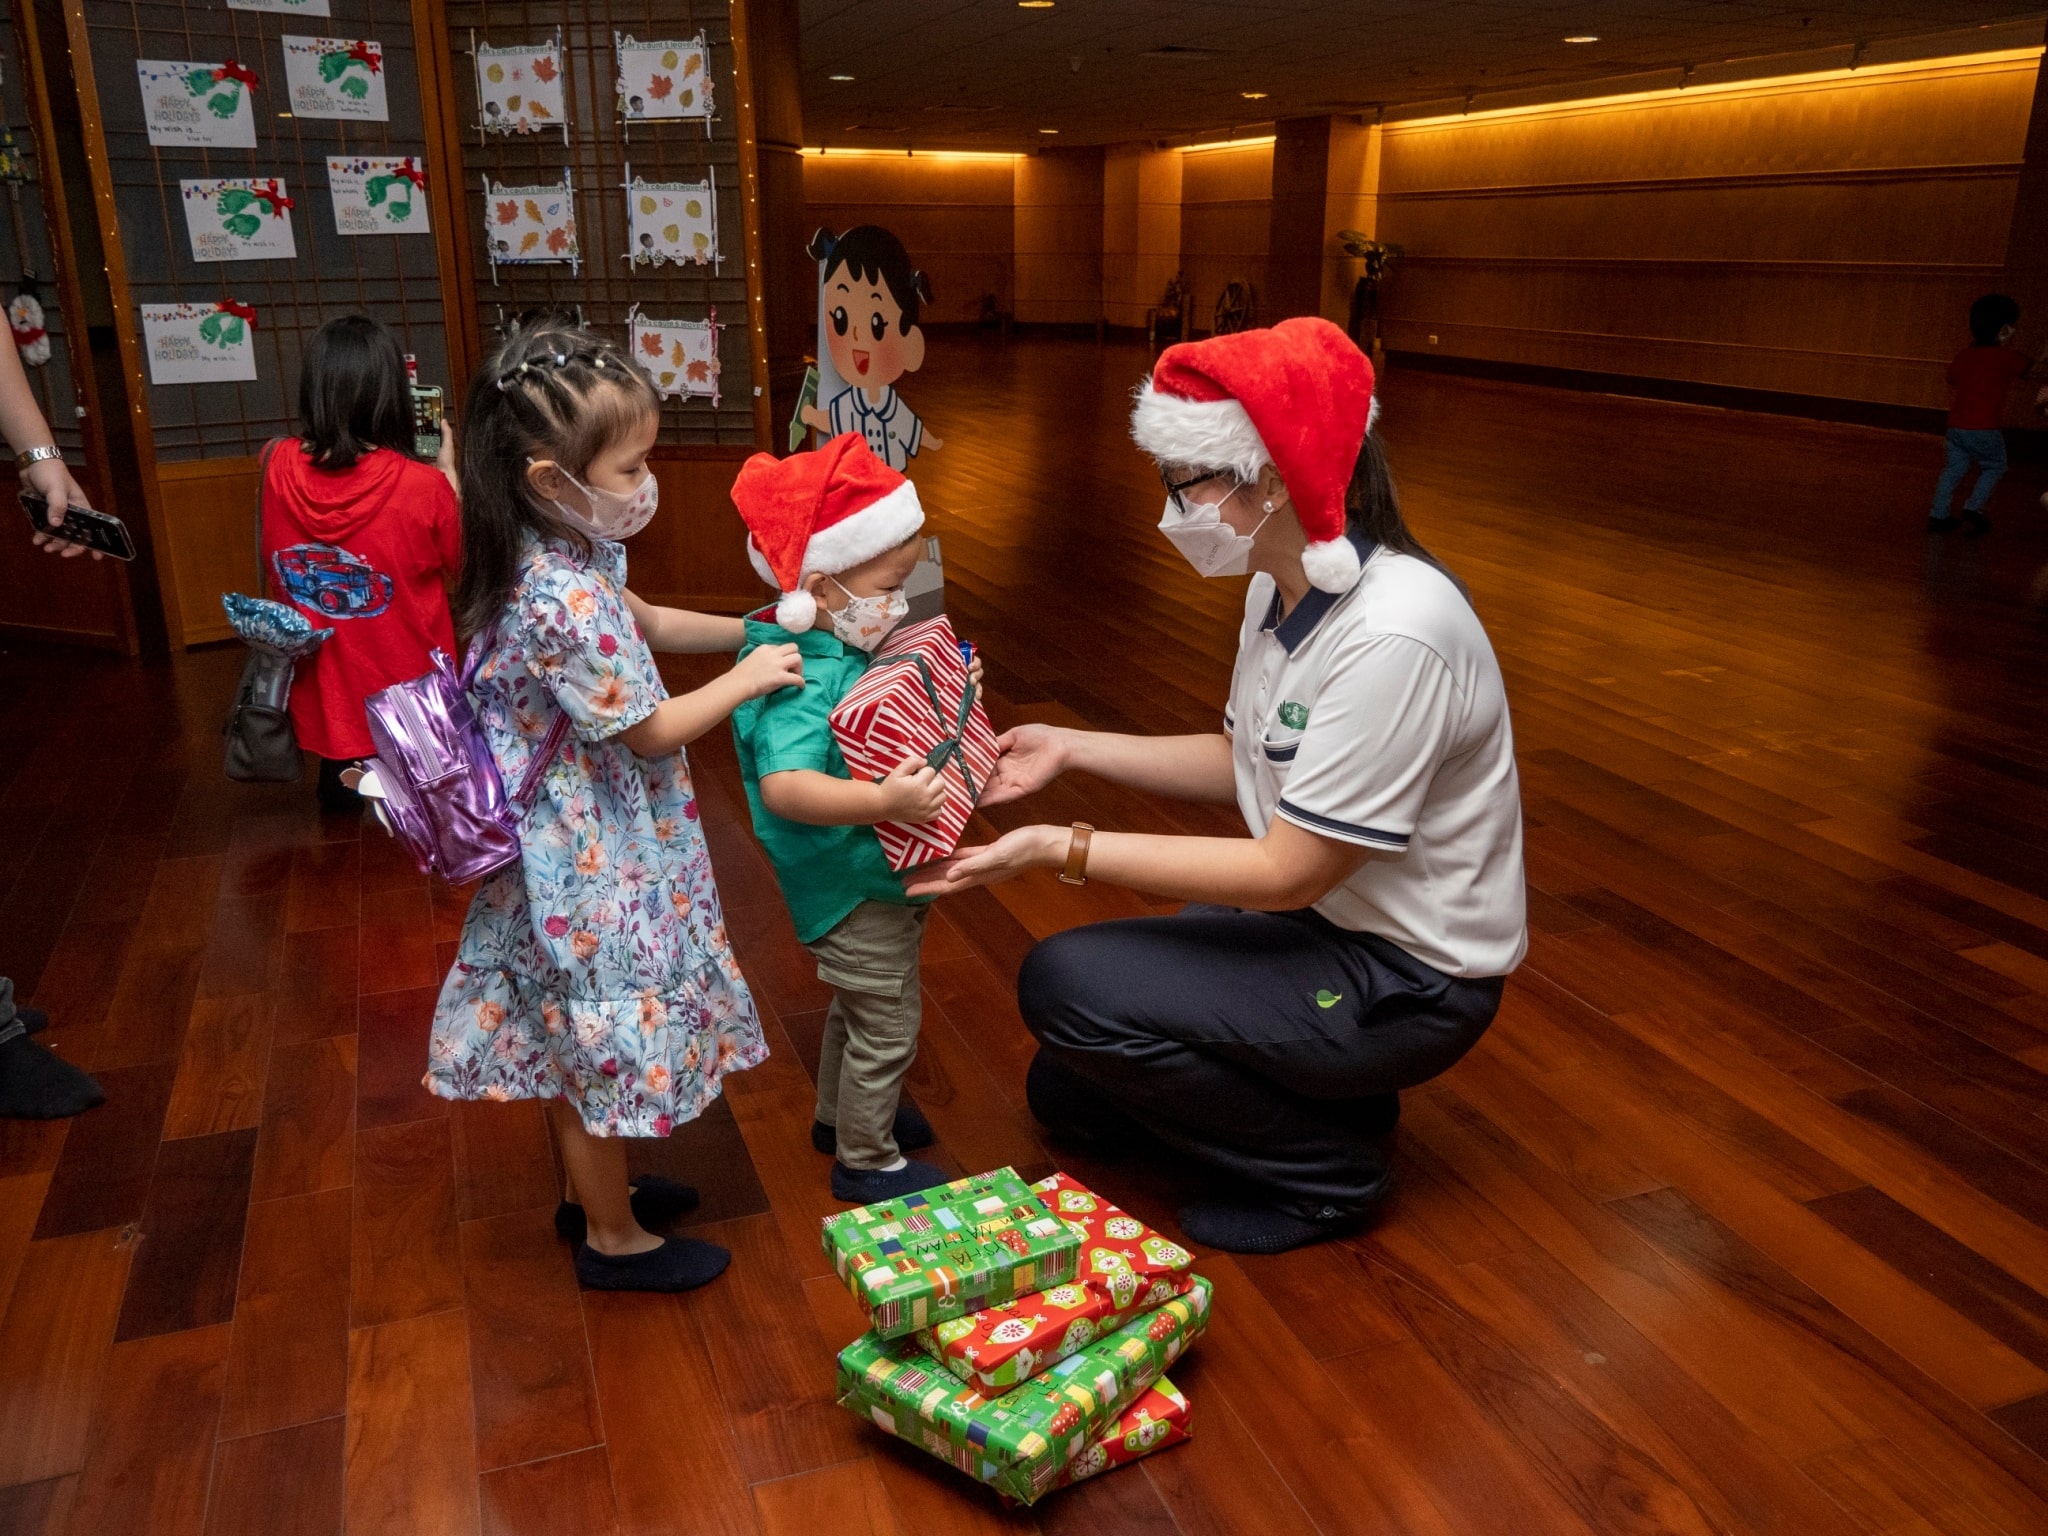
1372,509
550,390
353,393
1990,315
873,255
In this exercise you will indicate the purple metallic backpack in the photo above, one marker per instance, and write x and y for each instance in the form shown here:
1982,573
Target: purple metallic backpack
436,786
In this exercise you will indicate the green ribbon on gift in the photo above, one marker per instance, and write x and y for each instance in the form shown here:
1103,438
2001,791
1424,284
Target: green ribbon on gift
951,750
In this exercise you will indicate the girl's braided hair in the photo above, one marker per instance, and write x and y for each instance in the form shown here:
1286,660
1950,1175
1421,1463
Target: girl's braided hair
551,390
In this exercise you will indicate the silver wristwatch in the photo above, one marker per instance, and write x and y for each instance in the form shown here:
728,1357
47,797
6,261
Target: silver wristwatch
29,456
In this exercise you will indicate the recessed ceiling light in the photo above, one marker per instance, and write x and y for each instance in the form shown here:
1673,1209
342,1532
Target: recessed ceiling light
1583,37
1034,5
842,79
1048,130
1253,95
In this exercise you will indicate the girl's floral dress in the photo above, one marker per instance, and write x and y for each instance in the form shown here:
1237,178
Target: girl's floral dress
598,966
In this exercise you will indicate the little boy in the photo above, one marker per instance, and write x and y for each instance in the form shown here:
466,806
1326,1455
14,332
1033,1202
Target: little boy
836,531
1980,378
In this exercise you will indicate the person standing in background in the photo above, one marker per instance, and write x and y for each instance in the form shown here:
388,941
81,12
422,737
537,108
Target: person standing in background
1980,378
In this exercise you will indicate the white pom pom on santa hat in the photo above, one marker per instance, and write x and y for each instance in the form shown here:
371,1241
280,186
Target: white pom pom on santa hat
828,510
1298,396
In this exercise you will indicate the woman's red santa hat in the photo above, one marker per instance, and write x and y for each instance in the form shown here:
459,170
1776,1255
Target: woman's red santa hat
1298,397
828,510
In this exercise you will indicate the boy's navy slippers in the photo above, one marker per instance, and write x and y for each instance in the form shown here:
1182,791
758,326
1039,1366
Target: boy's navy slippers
864,1186
656,1203
912,1131
679,1264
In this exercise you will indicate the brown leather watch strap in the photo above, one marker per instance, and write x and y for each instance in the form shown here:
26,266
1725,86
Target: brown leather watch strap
1076,872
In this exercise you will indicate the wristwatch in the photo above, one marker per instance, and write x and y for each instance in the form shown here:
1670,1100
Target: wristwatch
29,456
1076,872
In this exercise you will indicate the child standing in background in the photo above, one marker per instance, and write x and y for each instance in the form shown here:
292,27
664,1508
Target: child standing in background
595,973
836,532
1980,378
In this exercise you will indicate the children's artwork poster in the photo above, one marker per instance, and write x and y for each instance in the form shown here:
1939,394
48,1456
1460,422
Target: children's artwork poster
682,355
519,89
241,218
523,225
378,195
282,7
671,221
663,80
869,300
199,343
336,77
193,105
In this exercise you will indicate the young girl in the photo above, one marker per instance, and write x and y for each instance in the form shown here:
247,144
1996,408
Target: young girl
359,535
595,973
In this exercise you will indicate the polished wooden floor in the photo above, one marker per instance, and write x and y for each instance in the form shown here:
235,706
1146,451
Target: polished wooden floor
1735,1222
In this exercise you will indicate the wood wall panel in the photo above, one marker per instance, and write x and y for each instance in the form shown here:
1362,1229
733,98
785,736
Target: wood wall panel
1223,221
694,553
1141,192
1819,237
955,216
1058,232
210,528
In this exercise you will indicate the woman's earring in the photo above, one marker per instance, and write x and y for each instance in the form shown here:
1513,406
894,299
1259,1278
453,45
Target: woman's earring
1269,506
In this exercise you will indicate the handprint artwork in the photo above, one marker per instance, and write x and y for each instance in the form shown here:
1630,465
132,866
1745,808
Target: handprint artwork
336,77
239,219
671,221
519,89
523,225
195,105
375,195
663,80
199,343
680,355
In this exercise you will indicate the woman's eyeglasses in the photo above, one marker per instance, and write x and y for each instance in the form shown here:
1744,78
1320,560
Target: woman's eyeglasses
1174,488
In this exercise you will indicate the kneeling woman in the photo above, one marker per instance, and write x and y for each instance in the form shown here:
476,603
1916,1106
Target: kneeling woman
1355,944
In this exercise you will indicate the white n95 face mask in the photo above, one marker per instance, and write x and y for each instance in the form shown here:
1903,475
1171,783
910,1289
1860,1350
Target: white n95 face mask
1209,544
613,514
865,621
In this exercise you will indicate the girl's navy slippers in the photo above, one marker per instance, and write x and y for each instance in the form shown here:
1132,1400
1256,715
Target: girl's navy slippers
679,1264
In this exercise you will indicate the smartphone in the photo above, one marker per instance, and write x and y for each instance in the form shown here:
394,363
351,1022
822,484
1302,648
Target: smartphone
426,420
82,525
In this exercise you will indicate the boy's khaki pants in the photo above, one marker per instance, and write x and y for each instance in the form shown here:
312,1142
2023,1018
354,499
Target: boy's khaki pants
869,959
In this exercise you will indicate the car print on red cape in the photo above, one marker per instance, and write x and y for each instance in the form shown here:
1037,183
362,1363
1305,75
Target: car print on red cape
332,581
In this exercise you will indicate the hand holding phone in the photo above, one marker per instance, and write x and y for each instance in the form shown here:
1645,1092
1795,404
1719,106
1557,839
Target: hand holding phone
100,532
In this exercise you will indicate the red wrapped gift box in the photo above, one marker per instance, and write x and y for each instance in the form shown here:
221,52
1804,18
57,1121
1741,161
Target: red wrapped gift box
915,701
1162,1417
1126,1268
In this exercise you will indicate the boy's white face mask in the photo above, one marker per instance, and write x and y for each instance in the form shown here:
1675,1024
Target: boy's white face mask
865,621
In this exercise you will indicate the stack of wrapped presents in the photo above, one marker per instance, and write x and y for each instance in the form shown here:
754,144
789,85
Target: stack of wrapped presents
1020,1332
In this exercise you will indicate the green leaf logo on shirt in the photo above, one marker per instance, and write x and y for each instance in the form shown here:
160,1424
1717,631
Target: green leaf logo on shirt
1325,998
1294,716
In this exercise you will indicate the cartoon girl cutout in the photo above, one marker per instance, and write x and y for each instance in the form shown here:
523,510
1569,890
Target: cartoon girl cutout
870,295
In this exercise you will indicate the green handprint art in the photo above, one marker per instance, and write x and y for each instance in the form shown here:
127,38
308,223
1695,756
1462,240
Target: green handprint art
338,66
223,100
240,213
222,330
376,189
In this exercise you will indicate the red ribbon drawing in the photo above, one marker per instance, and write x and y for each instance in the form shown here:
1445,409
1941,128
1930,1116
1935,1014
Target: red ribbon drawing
272,197
372,58
233,71
239,310
411,173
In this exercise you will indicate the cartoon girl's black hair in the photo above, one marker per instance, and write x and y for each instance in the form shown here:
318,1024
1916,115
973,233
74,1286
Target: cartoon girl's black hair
872,254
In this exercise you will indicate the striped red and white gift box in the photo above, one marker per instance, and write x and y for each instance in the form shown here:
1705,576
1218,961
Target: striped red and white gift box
888,716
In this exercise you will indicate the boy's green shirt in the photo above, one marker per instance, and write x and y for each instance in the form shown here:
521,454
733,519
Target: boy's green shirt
824,872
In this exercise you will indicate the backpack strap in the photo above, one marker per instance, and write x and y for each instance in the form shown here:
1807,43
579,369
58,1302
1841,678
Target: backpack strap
262,474
537,765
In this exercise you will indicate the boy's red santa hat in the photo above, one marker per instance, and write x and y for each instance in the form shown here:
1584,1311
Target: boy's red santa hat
828,510
1298,397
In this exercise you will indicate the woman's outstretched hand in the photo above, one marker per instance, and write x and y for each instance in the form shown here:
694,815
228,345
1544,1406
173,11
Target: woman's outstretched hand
1004,859
1032,757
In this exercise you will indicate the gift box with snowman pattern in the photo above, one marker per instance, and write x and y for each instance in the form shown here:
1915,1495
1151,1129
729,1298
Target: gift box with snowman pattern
1022,1443
1126,1269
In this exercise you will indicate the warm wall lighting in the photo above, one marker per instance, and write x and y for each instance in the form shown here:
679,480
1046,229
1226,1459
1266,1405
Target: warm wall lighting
1203,149
1253,95
912,154
842,79
1583,37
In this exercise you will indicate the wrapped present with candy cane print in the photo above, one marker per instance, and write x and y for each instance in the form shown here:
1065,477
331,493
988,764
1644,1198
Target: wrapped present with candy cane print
916,700
1022,1443
1126,1269
949,1250
1162,1417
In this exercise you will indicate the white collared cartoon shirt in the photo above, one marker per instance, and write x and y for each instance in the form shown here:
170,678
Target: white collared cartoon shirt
891,428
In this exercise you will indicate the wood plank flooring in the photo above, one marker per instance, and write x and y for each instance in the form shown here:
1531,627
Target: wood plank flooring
1735,1222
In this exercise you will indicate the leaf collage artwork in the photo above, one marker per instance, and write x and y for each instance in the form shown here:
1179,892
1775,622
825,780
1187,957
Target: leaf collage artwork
336,78
682,355
376,195
196,105
238,219
519,89
523,225
199,343
671,221
663,80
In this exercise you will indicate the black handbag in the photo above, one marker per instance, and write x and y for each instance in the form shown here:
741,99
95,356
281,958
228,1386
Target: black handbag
261,746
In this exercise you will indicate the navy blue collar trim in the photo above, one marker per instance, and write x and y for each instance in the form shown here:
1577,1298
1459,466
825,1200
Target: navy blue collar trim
1293,630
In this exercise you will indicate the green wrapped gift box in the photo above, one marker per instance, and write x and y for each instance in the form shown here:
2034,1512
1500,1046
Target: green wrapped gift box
949,1251
1020,1443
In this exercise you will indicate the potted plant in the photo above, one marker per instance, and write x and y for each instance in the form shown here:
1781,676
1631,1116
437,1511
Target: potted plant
1365,296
